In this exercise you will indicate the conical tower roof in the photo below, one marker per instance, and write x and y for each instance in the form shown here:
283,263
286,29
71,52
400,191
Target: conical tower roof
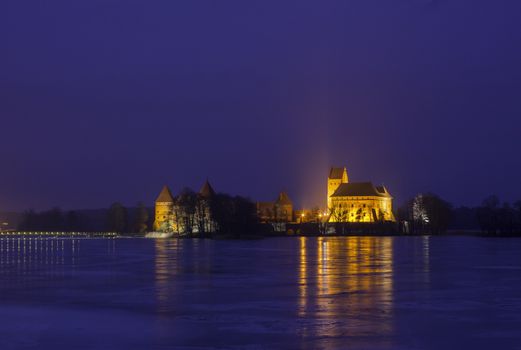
165,196
283,199
207,190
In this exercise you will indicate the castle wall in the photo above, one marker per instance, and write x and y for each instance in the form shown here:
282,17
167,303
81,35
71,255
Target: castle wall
361,209
163,213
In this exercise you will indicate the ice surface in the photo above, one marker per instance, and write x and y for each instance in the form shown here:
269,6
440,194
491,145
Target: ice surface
289,293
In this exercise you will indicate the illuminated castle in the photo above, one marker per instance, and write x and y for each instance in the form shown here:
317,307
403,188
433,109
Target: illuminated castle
346,202
169,217
356,201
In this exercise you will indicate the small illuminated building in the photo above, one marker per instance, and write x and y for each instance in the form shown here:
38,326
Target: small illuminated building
280,210
356,201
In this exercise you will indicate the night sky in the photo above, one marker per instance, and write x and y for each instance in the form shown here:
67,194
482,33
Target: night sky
104,100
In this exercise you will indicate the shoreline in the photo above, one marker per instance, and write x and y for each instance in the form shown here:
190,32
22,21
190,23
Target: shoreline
450,233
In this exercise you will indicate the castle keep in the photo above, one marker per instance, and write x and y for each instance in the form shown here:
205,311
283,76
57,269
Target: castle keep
356,201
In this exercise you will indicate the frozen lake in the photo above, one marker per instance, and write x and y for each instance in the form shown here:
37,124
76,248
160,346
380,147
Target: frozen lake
290,293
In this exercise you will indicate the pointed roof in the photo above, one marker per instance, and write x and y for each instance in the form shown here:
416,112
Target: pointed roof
165,196
336,173
360,189
283,199
207,190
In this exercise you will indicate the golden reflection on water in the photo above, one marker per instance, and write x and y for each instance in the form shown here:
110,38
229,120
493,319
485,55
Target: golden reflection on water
165,267
346,280
303,274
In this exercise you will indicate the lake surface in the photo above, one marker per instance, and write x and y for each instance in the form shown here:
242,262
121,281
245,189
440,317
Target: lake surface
283,293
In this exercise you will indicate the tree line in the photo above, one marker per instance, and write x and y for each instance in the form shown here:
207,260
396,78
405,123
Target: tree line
51,220
495,218
430,214
114,219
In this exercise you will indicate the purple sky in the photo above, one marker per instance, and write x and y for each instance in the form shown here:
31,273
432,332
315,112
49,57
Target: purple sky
105,100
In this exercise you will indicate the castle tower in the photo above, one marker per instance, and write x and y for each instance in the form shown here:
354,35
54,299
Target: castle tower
336,177
284,207
207,191
164,208
203,212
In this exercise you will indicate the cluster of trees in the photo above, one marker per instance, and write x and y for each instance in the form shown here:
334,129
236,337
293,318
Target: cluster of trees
428,213
119,220
115,219
425,213
234,215
497,219
219,213
51,220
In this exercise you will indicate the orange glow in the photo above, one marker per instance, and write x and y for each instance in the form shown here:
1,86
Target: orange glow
359,268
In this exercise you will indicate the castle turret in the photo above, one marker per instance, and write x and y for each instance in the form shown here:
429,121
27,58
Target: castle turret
284,207
337,176
204,220
164,208
207,191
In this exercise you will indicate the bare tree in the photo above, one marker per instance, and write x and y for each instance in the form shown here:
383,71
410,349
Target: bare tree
187,203
203,219
340,215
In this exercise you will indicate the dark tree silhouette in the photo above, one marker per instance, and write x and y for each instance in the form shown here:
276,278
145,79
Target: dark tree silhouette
117,218
72,221
50,220
236,216
28,221
141,218
187,203
517,208
499,220
438,212
203,214
488,215
426,213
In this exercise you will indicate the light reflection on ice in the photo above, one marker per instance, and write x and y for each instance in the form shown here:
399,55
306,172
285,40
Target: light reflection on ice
296,292
352,276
